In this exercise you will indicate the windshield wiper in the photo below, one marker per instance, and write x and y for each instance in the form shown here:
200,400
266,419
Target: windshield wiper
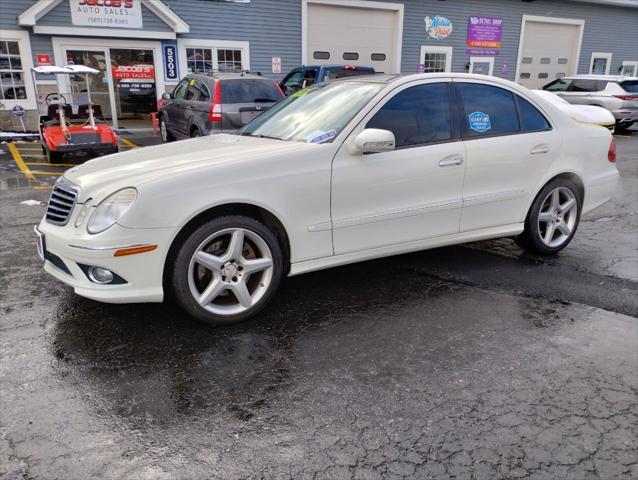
262,136
263,100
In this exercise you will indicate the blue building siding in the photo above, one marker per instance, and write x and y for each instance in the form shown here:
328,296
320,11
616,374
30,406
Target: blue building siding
601,34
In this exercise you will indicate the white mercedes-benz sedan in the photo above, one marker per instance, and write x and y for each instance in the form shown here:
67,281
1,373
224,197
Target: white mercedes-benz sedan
337,173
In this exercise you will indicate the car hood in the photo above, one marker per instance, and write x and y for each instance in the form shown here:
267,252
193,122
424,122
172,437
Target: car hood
140,165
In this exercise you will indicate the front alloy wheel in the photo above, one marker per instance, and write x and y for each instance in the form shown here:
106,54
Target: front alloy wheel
227,270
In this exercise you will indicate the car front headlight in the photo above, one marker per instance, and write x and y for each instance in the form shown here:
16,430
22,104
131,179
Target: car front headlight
111,210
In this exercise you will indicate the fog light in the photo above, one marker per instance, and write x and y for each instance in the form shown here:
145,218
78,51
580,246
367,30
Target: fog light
100,275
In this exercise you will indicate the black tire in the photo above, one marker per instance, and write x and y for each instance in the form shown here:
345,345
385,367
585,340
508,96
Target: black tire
53,157
179,269
195,132
165,133
531,239
622,127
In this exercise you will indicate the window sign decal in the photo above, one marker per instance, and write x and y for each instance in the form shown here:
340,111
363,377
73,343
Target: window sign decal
438,27
479,122
322,137
107,13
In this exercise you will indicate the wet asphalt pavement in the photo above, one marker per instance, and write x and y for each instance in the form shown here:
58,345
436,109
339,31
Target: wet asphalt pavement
476,361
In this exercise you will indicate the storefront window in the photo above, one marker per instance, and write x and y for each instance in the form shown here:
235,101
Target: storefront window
200,60
11,72
98,84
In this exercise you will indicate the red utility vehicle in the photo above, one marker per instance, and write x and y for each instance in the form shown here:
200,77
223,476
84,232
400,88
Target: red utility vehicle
62,132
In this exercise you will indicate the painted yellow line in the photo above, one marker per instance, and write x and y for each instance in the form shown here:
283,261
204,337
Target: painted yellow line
46,173
52,164
19,162
43,187
35,155
22,149
127,142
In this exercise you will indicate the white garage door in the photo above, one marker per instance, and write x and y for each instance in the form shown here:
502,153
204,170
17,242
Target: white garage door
352,36
548,51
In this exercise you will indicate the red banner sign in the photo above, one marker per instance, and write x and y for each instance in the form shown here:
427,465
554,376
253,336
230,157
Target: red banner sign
121,72
43,59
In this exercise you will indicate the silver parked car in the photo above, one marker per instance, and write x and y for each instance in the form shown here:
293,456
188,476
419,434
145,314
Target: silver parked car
202,104
616,93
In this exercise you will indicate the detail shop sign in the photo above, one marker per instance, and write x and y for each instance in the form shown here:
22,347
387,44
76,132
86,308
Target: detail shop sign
106,13
484,35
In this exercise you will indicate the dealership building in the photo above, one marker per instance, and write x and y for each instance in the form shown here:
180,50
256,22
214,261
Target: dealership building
143,47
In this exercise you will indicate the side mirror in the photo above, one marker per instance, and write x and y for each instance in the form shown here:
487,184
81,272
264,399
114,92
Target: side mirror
373,140
167,96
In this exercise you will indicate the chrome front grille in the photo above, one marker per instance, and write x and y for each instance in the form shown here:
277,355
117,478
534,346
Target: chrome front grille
63,199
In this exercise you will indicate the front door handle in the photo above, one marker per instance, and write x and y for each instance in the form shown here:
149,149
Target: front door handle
451,160
540,149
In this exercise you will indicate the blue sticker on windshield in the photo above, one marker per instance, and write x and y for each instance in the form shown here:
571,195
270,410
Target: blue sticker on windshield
479,122
324,136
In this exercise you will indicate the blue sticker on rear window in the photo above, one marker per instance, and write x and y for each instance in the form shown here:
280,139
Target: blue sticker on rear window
324,136
479,122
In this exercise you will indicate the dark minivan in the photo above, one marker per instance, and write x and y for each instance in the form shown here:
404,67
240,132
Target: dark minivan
203,104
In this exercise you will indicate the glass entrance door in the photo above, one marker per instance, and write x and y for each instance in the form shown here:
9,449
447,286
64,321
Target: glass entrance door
98,84
124,89
133,72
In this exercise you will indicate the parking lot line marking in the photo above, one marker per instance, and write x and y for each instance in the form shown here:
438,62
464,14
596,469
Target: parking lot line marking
19,162
43,187
34,172
51,164
128,143
32,155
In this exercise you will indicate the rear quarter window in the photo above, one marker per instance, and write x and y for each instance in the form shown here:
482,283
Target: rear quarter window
249,90
531,118
630,86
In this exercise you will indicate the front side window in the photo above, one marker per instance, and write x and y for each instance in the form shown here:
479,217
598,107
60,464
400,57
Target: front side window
559,85
11,72
531,118
416,115
314,115
487,110
180,90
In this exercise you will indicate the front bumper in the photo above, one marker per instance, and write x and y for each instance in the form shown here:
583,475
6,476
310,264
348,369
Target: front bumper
84,147
68,249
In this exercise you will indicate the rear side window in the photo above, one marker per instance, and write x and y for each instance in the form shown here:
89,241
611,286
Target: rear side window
531,118
630,86
249,91
580,85
417,115
197,92
487,110
558,85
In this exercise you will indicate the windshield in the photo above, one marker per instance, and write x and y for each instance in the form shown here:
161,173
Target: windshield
314,115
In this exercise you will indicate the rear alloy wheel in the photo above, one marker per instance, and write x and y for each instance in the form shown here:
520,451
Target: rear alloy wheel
227,270
195,133
164,133
553,218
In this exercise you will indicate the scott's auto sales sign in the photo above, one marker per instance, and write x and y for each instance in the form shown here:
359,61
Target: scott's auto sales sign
107,13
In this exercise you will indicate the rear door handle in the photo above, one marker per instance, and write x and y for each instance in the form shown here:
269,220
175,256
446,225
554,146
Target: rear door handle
451,160
540,149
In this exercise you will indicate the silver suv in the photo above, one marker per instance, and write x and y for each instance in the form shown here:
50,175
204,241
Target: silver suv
202,104
617,94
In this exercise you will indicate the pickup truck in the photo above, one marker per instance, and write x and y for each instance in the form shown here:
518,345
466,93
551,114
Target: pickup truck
302,77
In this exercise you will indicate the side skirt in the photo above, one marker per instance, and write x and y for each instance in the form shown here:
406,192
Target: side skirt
456,238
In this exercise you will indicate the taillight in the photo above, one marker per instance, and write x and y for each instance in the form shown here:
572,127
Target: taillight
626,97
215,114
350,67
611,154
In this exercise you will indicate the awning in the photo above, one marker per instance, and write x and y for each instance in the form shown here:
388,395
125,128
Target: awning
66,70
